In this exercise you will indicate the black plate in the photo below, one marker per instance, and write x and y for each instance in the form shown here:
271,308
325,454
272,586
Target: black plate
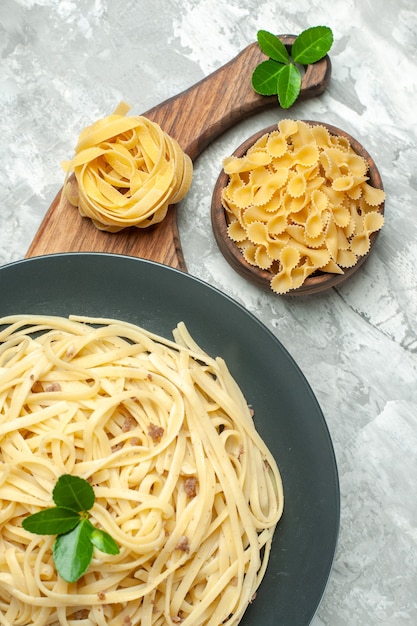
287,414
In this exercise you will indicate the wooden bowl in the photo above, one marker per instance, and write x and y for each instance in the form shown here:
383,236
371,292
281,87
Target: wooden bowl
317,282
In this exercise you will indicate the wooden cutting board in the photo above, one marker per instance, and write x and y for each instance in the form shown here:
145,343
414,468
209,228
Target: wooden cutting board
194,118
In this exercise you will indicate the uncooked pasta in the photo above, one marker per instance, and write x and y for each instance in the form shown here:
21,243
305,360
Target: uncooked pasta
128,171
183,481
299,201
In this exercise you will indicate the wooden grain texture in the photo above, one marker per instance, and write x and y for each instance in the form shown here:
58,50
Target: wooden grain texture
194,117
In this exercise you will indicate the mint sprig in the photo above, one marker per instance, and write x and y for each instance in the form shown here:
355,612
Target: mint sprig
74,493
53,521
73,552
76,536
280,75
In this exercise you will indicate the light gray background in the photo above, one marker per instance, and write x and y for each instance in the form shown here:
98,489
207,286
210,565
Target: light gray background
63,64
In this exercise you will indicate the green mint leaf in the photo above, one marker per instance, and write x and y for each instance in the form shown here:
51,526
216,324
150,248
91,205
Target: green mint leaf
289,85
312,45
74,493
52,521
272,46
103,541
73,551
265,77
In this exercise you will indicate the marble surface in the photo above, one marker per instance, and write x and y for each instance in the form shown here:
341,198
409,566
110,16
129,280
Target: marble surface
65,63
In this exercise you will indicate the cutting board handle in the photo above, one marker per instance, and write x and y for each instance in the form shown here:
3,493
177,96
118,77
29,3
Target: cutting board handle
198,115
195,117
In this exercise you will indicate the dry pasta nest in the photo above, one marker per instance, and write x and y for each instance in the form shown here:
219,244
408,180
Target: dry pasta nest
128,172
297,207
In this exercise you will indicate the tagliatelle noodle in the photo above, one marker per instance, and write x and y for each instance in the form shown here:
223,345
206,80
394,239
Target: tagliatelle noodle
183,481
299,202
128,171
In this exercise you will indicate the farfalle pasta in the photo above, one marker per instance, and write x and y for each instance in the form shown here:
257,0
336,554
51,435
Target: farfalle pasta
299,202
128,171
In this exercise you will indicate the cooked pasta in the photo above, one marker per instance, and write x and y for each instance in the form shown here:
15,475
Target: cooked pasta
127,172
299,201
183,481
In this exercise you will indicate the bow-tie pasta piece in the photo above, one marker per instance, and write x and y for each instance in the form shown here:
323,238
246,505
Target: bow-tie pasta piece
371,222
299,201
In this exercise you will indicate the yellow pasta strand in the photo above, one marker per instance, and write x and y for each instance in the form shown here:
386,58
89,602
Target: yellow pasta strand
182,479
128,172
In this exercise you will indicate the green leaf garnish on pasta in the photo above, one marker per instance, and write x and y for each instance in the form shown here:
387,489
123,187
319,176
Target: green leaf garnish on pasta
76,536
52,521
73,552
74,493
102,540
